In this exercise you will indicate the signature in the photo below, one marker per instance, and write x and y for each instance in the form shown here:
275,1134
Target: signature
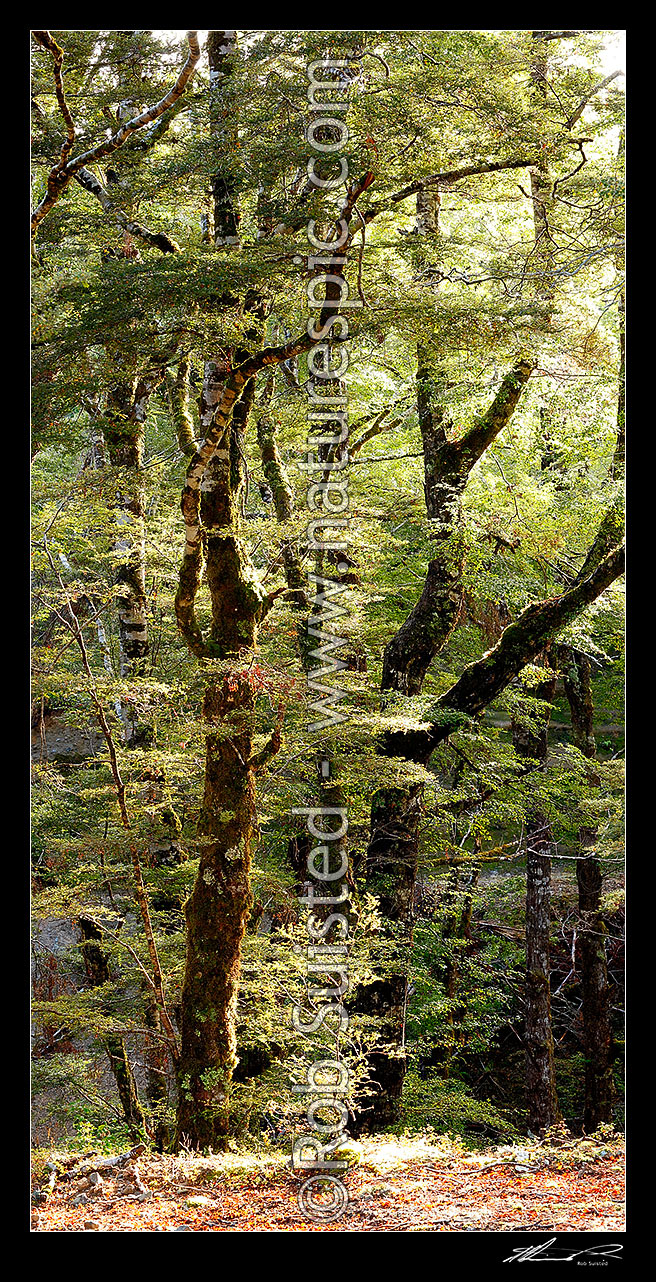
610,1250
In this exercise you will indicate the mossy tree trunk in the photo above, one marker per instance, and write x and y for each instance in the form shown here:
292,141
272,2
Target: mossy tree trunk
447,467
283,503
218,909
520,642
217,914
591,959
486,678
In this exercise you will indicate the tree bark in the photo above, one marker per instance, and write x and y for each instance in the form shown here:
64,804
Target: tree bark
123,430
217,914
447,467
218,909
283,502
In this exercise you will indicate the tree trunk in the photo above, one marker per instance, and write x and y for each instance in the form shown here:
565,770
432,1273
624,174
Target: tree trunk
406,660
283,503
538,1035
598,1042
217,914
519,643
597,1029
123,430
456,927
218,909
391,874
591,957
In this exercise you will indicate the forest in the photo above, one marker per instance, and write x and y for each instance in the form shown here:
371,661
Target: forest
327,556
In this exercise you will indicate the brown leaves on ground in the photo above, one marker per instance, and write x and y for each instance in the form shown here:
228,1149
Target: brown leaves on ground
401,1185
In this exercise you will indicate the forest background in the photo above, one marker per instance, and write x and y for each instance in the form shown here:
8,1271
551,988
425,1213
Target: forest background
481,645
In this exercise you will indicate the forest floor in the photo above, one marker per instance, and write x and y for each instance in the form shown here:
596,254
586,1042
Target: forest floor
399,1185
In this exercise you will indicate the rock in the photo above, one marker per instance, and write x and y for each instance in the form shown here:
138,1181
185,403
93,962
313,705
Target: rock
91,1226
350,1152
80,1199
372,1190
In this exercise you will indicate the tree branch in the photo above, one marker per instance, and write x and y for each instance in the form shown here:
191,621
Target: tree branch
584,102
483,680
159,240
501,410
139,886
48,42
449,176
65,170
271,747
